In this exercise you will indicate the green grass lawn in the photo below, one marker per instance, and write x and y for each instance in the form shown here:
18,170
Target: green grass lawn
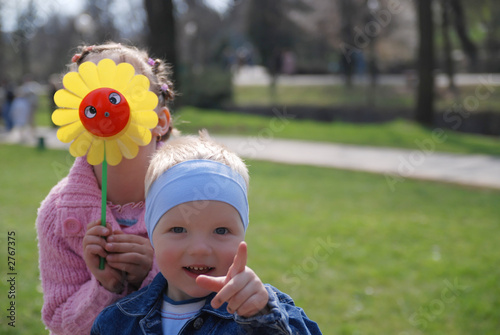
382,96
399,133
329,95
358,257
26,177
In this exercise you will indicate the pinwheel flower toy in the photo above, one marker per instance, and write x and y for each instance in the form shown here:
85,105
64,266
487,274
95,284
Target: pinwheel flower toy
106,111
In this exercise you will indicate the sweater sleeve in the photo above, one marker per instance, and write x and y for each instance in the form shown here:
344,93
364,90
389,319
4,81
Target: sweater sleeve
72,296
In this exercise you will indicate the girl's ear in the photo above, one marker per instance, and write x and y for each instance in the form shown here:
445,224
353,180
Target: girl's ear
164,122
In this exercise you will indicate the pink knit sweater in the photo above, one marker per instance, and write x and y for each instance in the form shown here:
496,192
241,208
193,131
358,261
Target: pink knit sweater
72,296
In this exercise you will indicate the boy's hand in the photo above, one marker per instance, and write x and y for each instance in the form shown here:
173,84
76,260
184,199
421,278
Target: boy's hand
131,254
93,247
241,288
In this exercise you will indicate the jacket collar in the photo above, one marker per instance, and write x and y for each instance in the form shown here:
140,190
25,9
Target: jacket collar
148,300
141,303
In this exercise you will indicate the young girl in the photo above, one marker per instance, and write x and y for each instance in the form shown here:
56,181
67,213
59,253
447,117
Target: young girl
69,233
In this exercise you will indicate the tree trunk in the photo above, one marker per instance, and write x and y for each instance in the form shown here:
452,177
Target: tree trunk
347,61
2,47
267,31
425,94
161,40
448,59
469,47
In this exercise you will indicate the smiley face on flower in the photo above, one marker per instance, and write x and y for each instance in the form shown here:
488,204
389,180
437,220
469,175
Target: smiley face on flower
105,108
104,112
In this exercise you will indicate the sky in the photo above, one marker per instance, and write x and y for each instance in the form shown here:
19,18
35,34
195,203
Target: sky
73,7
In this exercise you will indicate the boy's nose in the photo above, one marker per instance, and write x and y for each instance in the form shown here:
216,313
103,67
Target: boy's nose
199,247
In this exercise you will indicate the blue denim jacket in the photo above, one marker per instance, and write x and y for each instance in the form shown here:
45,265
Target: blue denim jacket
139,313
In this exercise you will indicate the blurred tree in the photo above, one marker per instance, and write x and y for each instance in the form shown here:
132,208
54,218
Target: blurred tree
56,37
272,31
447,46
201,30
103,23
314,46
425,67
2,47
162,32
468,46
371,7
25,30
490,12
349,49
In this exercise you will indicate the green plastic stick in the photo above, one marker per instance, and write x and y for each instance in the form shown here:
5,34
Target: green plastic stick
104,196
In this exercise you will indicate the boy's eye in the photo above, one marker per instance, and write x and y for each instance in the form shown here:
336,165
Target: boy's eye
178,230
221,231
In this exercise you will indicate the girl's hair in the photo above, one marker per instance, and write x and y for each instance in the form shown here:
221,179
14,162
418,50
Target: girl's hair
185,148
157,71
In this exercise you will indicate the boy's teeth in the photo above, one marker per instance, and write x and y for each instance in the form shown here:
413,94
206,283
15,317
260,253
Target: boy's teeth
198,268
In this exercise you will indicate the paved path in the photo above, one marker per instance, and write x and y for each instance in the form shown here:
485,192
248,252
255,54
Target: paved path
395,164
257,76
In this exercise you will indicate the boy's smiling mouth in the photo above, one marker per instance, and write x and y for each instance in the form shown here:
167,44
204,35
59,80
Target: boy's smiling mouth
198,270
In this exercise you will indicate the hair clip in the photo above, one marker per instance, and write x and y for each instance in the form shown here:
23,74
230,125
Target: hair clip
89,48
151,61
76,58
164,88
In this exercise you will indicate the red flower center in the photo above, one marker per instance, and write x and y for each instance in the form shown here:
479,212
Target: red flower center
104,112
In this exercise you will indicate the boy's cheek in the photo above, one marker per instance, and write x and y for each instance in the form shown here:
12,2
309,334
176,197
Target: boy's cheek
163,256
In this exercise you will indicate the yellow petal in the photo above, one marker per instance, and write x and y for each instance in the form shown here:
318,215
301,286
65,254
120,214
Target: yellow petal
139,81
74,83
96,152
81,144
147,119
128,147
143,100
69,132
106,69
150,101
88,72
62,116
113,153
138,134
124,74
136,91
65,99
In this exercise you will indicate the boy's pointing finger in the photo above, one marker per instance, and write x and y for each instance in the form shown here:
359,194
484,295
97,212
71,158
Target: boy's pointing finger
214,284
240,260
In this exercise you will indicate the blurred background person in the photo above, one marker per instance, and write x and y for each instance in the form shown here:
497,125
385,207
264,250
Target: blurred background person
6,99
23,111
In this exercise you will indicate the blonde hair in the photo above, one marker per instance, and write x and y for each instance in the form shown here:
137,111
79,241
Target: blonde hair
185,148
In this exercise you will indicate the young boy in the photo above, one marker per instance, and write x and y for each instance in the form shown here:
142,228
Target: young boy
196,218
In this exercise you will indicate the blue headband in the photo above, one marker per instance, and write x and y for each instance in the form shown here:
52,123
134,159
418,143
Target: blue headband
192,181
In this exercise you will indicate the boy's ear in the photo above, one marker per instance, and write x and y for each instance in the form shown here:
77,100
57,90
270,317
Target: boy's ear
164,122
